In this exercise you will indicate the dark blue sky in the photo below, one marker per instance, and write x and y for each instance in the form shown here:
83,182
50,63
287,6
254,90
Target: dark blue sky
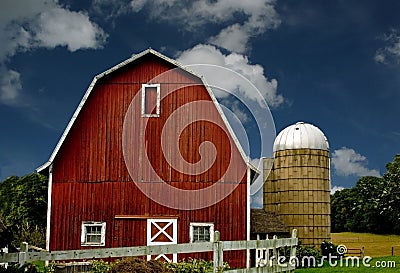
334,64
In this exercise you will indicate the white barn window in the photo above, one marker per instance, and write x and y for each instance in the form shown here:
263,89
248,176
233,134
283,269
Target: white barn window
150,100
93,233
201,232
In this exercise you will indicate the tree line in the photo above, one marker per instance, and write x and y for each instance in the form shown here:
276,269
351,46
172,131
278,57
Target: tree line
23,207
372,205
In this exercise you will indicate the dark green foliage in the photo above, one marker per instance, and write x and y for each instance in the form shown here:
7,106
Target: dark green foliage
373,205
194,266
134,264
27,268
157,266
329,249
6,236
23,206
390,196
341,206
304,253
100,266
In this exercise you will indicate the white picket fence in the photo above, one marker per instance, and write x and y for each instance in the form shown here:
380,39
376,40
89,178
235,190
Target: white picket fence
4,250
217,247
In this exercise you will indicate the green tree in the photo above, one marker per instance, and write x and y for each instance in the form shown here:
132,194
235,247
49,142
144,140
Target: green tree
6,236
367,215
390,196
341,209
23,204
372,205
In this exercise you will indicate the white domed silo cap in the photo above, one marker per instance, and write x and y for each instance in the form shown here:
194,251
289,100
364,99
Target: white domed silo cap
301,136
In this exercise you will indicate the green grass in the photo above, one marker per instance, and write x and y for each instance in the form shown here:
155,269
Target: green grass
374,266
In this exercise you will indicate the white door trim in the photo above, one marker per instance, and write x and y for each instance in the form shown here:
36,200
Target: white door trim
152,240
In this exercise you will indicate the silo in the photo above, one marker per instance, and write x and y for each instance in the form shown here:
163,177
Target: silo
297,186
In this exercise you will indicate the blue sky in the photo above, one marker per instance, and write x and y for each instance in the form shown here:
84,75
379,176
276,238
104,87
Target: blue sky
333,63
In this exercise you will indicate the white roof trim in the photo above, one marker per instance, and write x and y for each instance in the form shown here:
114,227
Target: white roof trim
122,64
225,120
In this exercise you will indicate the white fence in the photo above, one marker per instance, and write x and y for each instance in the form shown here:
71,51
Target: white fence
217,247
3,250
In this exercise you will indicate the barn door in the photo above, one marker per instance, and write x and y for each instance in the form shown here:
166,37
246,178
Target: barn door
162,232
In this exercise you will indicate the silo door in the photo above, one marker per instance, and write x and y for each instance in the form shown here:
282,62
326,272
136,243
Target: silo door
162,232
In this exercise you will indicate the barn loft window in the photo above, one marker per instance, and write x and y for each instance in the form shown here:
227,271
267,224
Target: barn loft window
201,232
150,100
93,234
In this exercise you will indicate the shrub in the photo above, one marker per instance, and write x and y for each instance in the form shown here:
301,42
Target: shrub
157,266
27,268
137,265
100,266
308,256
129,265
329,249
194,266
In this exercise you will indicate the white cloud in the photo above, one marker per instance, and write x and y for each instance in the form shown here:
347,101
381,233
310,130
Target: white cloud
137,5
347,162
390,53
336,188
10,85
235,38
62,27
207,54
239,113
27,25
240,19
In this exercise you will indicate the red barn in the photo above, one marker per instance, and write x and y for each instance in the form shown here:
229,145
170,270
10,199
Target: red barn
148,158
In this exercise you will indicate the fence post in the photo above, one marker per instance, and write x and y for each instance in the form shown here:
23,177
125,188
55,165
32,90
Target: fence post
275,254
218,254
293,247
4,250
292,257
22,253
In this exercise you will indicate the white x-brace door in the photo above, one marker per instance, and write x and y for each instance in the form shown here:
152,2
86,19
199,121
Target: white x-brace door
162,232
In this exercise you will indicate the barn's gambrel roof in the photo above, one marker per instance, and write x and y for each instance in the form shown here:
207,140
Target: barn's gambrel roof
122,64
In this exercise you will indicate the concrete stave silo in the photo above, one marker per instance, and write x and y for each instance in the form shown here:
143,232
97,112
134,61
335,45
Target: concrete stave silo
297,187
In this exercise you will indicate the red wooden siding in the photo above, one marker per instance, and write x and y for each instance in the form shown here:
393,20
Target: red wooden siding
91,181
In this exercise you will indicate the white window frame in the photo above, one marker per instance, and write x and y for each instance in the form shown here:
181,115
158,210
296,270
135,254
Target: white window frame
84,233
144,86
191,231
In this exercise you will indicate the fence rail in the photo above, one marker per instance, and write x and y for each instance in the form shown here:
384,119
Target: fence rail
359,252
217,247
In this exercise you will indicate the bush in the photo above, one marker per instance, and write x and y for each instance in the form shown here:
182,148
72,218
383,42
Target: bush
329,249
191,266
100,266
157,266
27,268
308,256
137,265
194,266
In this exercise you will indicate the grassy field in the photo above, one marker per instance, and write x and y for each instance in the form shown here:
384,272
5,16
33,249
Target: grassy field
379,247
374,245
